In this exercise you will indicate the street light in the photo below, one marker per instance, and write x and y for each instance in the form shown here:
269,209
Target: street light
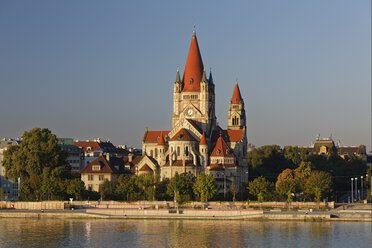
356,188
361,184
352,190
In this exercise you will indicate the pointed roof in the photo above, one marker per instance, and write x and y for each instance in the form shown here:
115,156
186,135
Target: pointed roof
161,141
183,134
236,97
203,141
210,79
105,166
178,79
193,68
222,149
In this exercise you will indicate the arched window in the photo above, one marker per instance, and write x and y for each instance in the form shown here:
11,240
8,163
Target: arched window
187,151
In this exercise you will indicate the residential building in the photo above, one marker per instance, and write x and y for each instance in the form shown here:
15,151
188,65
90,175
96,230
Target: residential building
95,148
75,154
101,169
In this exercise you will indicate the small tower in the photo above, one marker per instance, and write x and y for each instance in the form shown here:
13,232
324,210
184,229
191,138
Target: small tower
203,150
236,116
162,147
176,96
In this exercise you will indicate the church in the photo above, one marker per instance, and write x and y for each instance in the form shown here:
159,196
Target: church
196,143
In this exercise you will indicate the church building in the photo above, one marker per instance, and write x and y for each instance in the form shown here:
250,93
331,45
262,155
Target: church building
196,143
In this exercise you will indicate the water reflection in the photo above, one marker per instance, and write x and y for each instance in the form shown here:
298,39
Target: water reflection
180,233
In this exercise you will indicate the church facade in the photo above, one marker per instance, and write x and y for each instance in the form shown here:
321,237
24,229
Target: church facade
196,143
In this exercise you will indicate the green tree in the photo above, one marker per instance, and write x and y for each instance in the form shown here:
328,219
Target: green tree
107,190
37,160
260,188
147,184
126,185
287,183
76,189
295,154
205,187
1,194
182,185
318,184
267,161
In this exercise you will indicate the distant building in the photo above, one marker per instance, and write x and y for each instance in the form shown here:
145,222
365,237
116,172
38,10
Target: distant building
95,148
10,188
324,146
75,154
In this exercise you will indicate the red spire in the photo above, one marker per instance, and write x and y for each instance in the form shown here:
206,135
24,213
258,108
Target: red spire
203,141
193,68
236,97
161,140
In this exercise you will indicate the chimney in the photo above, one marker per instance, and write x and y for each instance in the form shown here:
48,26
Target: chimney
130,157
108,156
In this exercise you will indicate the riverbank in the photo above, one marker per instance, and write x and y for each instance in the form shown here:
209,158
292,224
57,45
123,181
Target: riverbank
191,214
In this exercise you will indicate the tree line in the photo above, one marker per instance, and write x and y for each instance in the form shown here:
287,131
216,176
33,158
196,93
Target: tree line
292,173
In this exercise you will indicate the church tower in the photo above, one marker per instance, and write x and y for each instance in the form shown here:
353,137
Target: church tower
193,96
236,115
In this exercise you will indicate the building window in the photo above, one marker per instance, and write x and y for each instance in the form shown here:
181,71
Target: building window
151,153
101,177
156,152
96,167
178,151
187,151
90,177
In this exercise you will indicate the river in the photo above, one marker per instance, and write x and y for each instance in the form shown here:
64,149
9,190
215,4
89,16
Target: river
181,233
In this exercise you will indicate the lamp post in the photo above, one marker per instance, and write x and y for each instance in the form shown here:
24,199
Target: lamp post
352,190
361,187
224,182
356,189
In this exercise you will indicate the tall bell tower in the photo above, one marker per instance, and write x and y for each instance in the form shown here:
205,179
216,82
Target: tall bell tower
236,116
193,96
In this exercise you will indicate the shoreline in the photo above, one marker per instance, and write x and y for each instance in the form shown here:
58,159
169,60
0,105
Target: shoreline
199,215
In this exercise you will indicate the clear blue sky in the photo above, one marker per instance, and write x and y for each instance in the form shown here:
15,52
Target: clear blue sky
88,69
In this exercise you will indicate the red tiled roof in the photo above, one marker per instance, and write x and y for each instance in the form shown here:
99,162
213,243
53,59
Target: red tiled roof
193,68
183,134
222,149
236,97
105,166
137,159
203,141
152,136
228,135
145,167
95,145
161,140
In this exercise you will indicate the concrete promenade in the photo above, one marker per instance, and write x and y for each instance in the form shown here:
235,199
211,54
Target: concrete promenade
353,215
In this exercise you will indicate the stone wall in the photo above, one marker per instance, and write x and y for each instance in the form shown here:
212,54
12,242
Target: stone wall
58,205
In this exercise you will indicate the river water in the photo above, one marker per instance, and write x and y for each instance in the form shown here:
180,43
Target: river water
181,233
